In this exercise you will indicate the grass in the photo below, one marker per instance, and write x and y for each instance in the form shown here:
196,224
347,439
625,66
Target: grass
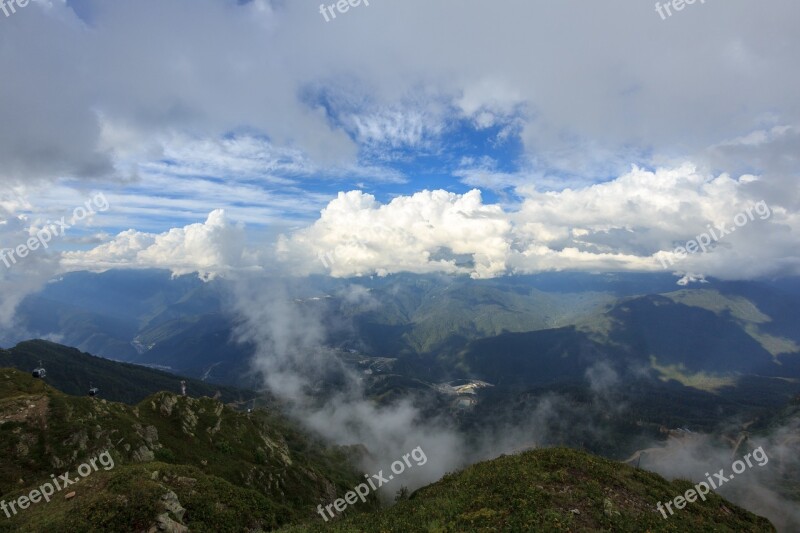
548,490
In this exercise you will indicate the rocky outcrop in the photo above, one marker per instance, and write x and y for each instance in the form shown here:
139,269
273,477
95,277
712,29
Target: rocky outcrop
173,505
165,523
143,455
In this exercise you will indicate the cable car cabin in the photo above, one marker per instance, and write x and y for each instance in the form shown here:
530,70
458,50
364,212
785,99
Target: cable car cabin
94,391
39,372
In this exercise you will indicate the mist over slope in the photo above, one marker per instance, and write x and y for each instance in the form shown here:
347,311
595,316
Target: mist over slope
175,462
471,369
285,247
187,325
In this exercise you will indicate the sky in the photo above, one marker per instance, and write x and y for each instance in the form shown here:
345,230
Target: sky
475,138
467,137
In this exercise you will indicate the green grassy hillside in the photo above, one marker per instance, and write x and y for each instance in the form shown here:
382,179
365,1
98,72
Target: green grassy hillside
229,470
549,490
194,464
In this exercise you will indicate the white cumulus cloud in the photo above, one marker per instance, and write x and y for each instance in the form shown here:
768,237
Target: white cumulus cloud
624,224
430,231
211,248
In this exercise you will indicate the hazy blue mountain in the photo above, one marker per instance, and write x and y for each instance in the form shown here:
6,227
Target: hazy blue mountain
442,326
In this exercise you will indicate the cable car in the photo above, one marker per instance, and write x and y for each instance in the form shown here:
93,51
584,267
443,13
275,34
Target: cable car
94,391
39,372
